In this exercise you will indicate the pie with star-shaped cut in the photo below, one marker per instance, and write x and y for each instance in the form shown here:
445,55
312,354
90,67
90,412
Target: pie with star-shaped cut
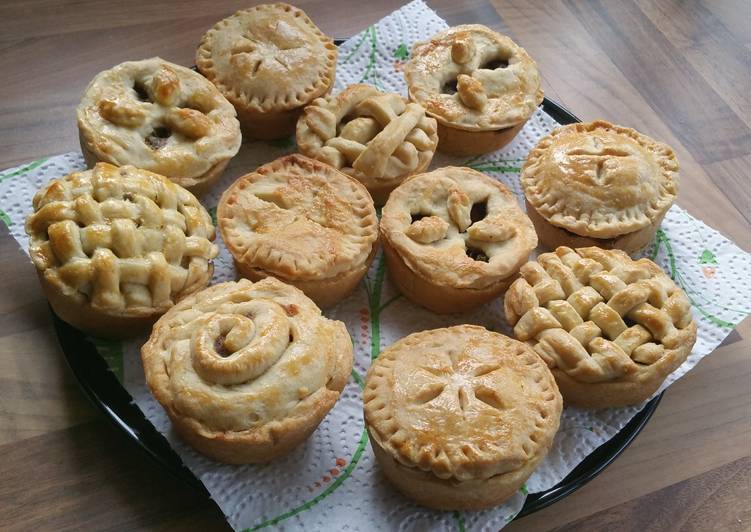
270,61
460,417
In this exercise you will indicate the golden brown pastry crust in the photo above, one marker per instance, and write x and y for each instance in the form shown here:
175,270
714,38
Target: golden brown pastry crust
116,247
600,180
270,61
610,328
486,96
376,137
456,228
161,117
246,371
302,221
459,417
552,237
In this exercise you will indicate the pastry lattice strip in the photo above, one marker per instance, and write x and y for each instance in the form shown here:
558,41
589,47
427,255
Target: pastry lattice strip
596,317
122,244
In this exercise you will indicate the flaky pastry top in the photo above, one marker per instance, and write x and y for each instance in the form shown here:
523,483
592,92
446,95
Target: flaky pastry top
256,358
124,240
600,316
367,133
270,57
600,180
470,77
462,403
158,116
458,227
299,219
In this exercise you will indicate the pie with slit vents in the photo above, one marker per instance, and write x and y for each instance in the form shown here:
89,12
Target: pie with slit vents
460,417
116,247
454,238
376,137
480,86
611,329
161,117
599,184
246,371
270,61
302,221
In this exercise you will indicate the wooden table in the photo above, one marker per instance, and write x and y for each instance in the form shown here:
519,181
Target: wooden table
679,70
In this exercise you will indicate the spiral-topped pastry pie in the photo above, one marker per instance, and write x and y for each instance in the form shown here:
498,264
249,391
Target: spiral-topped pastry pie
246,371
116,247
376,137
454,238
161,117
611,329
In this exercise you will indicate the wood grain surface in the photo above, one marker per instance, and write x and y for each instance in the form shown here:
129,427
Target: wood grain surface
678,70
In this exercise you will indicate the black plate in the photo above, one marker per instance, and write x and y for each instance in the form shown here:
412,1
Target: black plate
106,392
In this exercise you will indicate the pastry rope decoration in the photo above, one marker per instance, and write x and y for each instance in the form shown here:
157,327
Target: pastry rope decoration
368,133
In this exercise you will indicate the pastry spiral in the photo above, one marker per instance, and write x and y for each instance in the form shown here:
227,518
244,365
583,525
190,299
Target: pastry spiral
245,370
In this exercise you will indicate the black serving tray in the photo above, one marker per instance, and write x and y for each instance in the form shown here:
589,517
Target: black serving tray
106,392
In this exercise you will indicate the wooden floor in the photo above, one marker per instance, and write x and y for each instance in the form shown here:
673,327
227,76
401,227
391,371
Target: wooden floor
678,70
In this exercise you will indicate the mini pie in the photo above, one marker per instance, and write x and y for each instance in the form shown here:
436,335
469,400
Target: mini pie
480,86
270,61
460,417
376,137
611,329
598,184
116,247
454,238
160,117
246,371
302,221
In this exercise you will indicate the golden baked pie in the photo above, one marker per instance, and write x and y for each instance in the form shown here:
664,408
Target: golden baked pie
161,117
270,61
598,184
116,247
480,86
302,221
611,329
454,238
246,371
460,417
376,137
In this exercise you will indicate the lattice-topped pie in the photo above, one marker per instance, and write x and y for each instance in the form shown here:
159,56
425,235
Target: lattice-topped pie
610,328
270,61
460,417
246,371
160,117
480,86
302,221
116,247
376,137
454,238
598,184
